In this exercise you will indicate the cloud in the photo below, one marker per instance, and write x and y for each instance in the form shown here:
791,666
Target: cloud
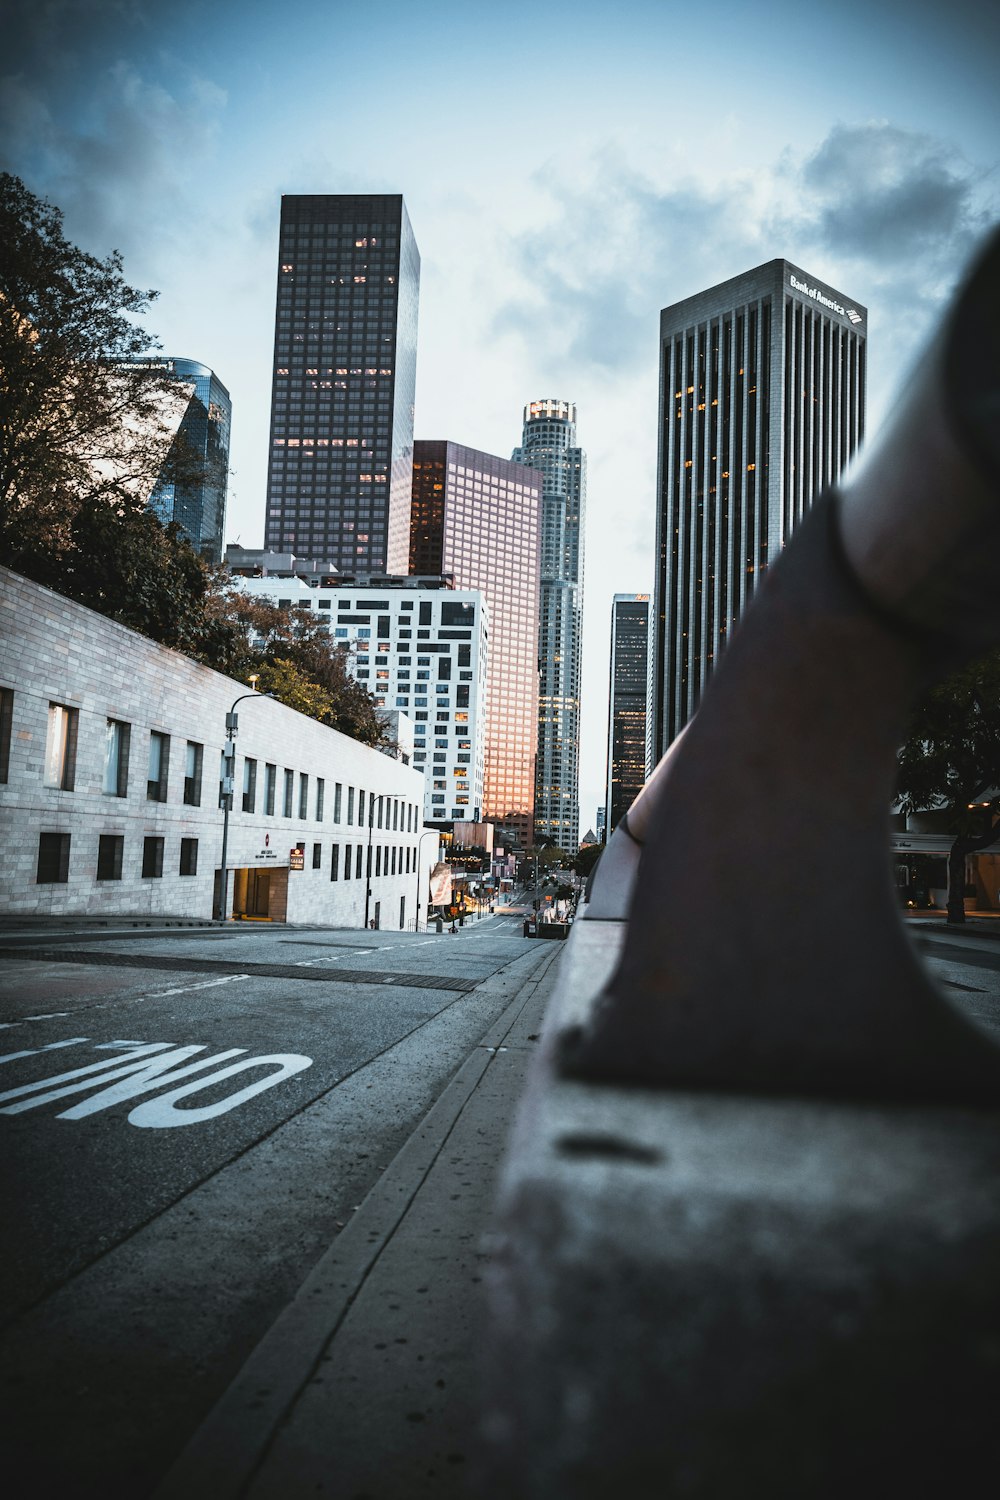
885,214
96,115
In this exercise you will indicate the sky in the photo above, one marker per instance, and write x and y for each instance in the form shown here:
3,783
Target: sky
569,170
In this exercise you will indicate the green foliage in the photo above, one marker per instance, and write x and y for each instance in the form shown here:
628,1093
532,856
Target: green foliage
85,435
587,859
951,757
950,763
237,621
289,684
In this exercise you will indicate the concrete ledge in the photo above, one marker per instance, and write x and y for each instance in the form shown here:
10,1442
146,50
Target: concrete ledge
712,1295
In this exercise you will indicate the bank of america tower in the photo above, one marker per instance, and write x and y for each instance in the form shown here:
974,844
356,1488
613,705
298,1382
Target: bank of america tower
548,443
762,404
345,355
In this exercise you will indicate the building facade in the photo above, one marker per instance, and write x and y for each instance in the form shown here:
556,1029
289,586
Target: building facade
204,419
422,649
626,706
762,403
344,377
548,444
111,766
477,518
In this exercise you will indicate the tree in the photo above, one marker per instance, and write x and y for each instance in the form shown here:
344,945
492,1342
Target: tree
284,681
245,634
87,430
951,763
587,858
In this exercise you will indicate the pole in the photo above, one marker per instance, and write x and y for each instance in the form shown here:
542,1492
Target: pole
228,786
427,833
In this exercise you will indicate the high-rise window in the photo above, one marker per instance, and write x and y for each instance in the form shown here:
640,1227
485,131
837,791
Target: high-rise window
152,857
60,747
116,747
6,721
53,859
159,762
192,773
110,847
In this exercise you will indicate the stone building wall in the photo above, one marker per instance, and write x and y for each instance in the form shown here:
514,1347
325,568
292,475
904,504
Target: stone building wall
56,652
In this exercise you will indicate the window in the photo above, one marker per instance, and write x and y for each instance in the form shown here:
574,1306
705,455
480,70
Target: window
425,614
347,861
110,847
152,858
53,859
357,862
249,785
189,857
320,797
337,800
335,862
159,761
378,859
270,778
317,856
6,719
303,795
60,747
116,763
350,804
289,790
194,756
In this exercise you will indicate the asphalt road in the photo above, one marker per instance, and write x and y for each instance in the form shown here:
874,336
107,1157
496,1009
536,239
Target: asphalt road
189,1118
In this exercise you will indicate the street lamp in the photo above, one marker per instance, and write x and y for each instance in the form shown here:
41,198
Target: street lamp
368,869
427,834
228,774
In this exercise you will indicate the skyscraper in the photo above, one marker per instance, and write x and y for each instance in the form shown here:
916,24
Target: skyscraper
762,403
345,355
203,414
627,704
477,517
548,443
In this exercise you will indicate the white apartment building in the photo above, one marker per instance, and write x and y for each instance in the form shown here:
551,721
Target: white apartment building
111,759
422,650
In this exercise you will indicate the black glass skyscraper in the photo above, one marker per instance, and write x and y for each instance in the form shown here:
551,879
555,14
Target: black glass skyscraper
627,704
762,403
345,356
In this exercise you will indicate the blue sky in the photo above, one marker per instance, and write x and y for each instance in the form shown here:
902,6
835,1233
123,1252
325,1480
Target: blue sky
568,169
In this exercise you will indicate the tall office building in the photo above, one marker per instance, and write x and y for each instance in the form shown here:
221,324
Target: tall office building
345,358
762,403
200,420
477,517
548,443
627,704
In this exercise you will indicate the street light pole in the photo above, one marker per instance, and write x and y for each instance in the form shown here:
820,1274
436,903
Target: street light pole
229,754
427,833
368,869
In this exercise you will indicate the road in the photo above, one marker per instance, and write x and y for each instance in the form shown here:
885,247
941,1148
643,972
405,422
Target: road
189,1118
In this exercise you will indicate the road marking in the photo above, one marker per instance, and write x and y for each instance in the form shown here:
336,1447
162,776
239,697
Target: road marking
185,989
146,1066
72,1041
53,1015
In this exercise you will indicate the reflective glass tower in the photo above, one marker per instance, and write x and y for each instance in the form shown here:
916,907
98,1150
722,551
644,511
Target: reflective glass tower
762,403
477,517
345,358
548,443
627,704
197,505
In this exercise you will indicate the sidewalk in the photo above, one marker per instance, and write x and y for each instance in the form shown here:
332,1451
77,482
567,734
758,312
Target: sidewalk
366,1385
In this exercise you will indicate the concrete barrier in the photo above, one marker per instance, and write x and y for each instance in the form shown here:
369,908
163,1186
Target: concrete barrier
747,1242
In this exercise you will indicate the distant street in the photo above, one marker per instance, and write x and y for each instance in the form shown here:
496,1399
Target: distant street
189,1118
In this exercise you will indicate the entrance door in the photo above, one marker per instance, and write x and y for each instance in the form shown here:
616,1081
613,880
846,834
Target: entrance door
251,893
378,915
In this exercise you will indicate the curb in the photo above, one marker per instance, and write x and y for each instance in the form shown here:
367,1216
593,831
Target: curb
220,1459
